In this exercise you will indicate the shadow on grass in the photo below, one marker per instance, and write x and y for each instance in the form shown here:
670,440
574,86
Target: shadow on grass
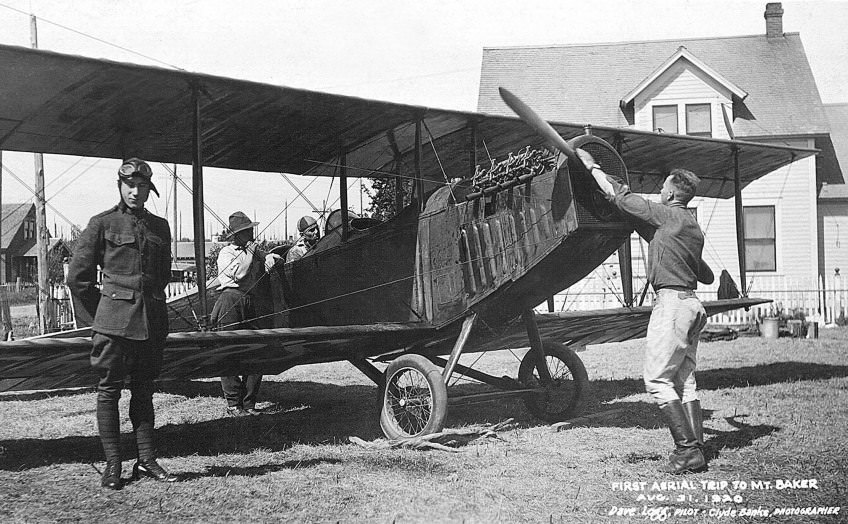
301,412
256,471
43,395
714,379
717,441
320,413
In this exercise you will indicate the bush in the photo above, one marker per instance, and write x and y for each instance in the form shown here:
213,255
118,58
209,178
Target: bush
27,295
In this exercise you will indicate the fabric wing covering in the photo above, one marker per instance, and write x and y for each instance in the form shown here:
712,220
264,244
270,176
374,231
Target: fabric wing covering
71,105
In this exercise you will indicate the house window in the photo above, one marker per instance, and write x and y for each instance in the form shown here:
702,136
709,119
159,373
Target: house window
698,120
665,119
760,241
29,229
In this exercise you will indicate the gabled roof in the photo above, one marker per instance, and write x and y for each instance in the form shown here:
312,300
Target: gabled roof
52,244
584,83
837,116
683,54
831,193
13,216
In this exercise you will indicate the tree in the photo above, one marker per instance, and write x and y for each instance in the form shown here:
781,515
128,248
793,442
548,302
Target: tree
56,258
382,195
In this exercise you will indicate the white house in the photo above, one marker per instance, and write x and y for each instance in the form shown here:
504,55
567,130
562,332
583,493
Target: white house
756,88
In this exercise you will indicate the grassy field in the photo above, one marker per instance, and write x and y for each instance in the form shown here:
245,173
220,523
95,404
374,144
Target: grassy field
774,412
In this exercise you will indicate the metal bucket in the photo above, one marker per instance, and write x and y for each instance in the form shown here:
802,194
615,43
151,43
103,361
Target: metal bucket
769,327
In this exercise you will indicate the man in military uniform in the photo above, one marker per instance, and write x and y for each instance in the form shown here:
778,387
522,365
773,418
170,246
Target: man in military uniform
308,228
127,314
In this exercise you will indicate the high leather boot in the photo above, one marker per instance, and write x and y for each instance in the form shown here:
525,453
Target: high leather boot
696,420
687,456
111,475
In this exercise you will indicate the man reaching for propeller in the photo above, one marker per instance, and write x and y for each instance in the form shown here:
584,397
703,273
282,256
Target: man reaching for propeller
675,266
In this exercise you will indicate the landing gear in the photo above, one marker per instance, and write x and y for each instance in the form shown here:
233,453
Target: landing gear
414,398
560,395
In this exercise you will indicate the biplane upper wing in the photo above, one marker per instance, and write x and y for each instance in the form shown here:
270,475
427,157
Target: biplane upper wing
72,105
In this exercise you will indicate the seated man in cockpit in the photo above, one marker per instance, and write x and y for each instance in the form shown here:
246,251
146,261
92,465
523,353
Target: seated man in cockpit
309,234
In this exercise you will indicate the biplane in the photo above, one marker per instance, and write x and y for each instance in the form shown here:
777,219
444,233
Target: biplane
498,218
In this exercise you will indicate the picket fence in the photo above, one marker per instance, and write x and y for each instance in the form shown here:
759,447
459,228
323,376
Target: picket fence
824,300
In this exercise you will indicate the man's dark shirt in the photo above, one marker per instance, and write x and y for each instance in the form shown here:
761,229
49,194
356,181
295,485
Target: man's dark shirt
133,249
675,241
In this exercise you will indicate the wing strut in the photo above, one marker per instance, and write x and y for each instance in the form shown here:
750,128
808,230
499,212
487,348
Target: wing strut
343,196
740,219
456,352
197,209
536,348
419,181
625,256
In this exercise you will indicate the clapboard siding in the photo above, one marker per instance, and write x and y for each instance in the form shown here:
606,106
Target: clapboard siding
833,241
682,84
789,190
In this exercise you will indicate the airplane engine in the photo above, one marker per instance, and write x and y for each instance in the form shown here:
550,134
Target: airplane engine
592,206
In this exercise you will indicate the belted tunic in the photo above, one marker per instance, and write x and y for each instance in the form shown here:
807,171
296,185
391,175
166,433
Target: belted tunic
133,250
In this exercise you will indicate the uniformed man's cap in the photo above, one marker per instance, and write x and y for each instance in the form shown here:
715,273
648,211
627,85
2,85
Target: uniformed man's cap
137,167
306,223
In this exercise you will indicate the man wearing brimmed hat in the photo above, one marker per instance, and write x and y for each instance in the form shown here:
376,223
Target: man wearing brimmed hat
308,229
127,314
243,303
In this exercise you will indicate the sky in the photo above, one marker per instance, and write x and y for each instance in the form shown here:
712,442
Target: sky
418,52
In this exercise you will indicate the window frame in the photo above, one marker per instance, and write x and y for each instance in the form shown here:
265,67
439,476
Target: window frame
748,267
676,119
709,107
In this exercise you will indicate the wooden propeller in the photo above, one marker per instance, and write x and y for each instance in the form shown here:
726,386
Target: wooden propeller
539,125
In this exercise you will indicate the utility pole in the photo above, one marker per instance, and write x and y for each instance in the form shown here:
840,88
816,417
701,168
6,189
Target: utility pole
45,322
2,255
174,233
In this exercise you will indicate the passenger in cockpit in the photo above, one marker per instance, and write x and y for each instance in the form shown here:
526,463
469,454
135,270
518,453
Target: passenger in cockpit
309,234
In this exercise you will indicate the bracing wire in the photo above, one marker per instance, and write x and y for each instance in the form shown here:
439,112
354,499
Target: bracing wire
81,33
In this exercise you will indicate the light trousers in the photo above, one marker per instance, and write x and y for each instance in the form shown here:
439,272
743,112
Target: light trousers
672,345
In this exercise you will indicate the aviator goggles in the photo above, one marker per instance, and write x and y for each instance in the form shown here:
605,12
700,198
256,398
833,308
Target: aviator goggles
137,167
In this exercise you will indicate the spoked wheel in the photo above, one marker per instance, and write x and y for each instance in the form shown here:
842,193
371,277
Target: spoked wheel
415,399
560,397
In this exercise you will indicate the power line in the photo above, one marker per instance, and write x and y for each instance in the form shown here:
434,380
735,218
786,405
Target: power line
81,33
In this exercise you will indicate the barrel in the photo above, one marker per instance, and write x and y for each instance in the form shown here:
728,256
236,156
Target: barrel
769,327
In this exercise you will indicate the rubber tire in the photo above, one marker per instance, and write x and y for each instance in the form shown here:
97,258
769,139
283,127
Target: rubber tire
572,374
417,367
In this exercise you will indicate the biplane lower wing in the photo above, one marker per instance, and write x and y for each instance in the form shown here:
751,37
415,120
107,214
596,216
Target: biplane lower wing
579,329
63,362
51,363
